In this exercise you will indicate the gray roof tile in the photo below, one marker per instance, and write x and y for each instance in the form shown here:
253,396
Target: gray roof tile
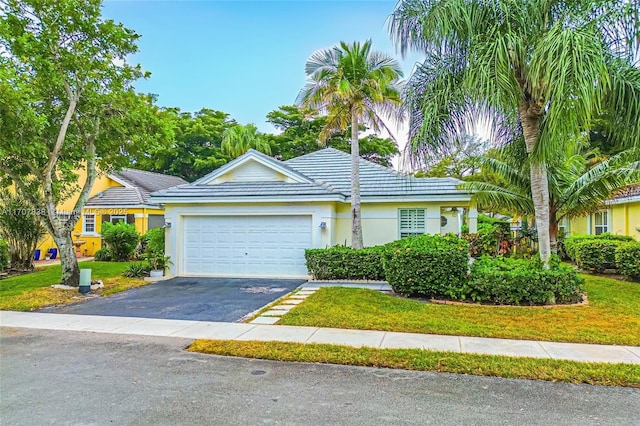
330,173
141,185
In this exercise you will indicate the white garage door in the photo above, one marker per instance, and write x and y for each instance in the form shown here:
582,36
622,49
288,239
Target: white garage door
246,245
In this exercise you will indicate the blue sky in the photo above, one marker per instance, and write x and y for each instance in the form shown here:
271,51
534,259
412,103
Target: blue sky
245,58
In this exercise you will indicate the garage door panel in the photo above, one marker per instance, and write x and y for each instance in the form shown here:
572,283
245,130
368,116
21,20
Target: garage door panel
246,245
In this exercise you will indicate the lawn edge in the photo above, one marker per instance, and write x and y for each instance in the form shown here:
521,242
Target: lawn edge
526,368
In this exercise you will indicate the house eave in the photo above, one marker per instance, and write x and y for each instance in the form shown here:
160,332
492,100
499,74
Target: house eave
256,199
633,199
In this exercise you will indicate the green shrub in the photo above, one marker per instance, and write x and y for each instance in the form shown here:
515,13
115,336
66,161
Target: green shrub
570,243
493,237
5,256
154,240
103,255
428,265
597,254
137,270
628,260
121,239
521,282
344,263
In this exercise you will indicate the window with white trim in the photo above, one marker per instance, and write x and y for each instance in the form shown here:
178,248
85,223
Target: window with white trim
89,223
412,222
601,222
115,219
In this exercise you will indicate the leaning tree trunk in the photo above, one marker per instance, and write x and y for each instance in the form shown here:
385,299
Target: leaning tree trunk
356,220
530,115
553,230
68,260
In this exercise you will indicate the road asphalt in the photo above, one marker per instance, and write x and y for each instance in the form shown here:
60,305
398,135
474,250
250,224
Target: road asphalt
82,378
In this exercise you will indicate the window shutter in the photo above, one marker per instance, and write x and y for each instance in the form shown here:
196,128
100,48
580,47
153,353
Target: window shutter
106,218
412,222
131,219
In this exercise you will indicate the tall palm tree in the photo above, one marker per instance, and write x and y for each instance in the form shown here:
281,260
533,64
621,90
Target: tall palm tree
238,139
352,84
577,184
542,69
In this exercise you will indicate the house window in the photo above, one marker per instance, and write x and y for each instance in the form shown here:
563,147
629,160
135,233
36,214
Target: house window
63,216
412,222
563,228
601,222
115,219
89,223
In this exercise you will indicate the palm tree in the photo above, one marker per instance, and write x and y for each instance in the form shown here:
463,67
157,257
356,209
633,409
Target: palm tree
541,69
352,85
577,185
238,139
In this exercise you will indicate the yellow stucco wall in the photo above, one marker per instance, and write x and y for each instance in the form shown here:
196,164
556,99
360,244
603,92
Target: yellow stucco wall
93,242
380,221
625,217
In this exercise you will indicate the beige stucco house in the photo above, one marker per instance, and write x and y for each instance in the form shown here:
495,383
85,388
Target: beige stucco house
256,215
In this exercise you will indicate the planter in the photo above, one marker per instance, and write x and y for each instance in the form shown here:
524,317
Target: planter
156,273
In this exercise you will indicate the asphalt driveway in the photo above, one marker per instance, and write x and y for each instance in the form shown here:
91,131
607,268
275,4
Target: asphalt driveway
196,299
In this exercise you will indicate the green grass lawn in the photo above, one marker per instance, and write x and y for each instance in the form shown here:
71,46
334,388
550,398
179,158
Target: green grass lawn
611,317
416,359
33,291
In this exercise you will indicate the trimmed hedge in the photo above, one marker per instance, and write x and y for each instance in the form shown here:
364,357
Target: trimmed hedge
571,243
344,263
521,282
427,265
596,254
103,255
628,260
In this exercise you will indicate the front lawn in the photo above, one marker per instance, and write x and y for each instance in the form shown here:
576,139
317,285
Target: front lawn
33,291
611,317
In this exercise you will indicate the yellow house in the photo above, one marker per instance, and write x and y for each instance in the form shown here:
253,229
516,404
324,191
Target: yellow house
621,215
117,196
255,216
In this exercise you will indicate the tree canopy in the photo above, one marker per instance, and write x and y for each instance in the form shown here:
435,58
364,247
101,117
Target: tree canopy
68,104
544,70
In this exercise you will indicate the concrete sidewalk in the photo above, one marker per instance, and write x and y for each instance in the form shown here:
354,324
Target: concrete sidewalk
357,338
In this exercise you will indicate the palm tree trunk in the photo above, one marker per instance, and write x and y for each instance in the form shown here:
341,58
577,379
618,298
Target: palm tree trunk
356,221
553,229
530,115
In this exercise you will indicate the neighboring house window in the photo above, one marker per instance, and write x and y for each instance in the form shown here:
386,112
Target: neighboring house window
115,219
89,223
63,216
155,221
412,222
563,228
601,222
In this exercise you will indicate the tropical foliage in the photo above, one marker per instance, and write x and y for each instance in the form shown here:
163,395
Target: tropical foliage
21,228
544,70
352,84
238,139
68,104
576,185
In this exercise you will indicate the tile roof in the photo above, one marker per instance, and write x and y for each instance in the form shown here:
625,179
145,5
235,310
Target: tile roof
329,173
139,186
628,191
333,167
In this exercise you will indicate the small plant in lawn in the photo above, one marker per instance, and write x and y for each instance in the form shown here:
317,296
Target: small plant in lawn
121,239
21,228
103,255
137,270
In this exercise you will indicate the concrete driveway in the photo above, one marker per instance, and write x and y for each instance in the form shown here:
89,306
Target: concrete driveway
197,299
